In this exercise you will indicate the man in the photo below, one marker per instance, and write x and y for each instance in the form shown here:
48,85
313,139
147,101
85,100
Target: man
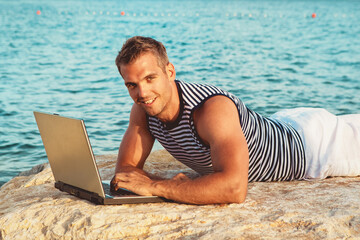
214,133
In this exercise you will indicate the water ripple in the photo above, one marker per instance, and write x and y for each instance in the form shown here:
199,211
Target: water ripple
272,55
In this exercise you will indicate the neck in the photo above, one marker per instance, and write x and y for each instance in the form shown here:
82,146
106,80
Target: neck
173,107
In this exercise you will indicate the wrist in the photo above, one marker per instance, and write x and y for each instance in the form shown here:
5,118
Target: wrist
154,187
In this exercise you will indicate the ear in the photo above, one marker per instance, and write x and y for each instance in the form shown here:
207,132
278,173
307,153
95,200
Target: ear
170,70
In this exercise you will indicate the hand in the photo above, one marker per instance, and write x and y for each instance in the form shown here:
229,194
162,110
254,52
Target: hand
133,181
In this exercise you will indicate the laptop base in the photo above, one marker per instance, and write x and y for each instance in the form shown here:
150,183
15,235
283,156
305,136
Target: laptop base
109,200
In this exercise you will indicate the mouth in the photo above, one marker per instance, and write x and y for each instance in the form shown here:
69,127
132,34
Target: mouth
148,102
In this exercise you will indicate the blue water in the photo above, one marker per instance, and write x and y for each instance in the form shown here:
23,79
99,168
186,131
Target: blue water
272,54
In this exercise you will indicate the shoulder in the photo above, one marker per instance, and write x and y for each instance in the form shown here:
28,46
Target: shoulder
195,94
215,107
137,116
215,117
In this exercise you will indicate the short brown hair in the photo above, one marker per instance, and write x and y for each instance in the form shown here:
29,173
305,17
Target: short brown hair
136,46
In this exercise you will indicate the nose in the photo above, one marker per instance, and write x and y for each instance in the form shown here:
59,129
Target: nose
142,90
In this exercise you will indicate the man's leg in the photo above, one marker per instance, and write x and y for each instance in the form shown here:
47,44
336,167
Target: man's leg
332,143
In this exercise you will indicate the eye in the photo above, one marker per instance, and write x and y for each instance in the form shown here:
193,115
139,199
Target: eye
130,85
150,78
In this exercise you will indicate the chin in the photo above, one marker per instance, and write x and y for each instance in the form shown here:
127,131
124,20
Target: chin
151,113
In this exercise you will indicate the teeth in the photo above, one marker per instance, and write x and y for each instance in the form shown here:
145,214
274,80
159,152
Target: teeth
149,101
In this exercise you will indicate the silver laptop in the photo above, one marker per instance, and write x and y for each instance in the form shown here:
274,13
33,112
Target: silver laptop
73,163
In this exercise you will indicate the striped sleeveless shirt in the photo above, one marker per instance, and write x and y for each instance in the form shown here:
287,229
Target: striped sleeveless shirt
276,152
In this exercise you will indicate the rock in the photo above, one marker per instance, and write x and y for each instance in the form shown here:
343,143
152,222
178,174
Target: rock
36,169
31,208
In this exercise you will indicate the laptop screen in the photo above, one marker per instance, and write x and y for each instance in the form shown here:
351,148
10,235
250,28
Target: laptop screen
69,151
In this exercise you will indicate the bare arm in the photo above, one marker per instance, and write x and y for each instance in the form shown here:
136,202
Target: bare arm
218,125
136,144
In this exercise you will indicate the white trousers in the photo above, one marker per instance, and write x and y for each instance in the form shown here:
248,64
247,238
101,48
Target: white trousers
332,143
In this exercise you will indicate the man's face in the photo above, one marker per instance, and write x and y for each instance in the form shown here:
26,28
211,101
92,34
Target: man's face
148,85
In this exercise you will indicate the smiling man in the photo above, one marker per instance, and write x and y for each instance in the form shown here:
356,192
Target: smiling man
214,133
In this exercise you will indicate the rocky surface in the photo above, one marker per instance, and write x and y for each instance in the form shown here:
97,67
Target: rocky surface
31,208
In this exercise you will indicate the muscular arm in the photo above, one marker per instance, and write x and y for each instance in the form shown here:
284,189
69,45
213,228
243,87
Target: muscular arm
136,144
217,123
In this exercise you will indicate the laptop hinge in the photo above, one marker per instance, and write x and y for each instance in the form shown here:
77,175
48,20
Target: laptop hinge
78,192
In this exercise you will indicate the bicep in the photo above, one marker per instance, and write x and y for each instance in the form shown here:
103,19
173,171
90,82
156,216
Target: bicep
137,142
218,124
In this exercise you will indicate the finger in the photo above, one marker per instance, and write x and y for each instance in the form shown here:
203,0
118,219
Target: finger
113,181
117,181
118,185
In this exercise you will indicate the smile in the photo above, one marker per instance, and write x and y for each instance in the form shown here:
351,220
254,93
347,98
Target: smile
148,102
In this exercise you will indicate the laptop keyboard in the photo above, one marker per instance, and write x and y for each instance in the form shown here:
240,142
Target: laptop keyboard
118,193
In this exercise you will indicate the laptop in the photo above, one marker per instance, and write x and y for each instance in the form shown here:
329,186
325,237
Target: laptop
73,163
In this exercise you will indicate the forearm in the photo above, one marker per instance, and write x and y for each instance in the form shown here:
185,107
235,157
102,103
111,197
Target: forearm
136,144
124,169
210,189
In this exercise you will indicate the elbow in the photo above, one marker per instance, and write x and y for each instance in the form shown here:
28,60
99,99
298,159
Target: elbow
239,197
236,189
237,194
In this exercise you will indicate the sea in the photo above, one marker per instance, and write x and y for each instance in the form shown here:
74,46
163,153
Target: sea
58,57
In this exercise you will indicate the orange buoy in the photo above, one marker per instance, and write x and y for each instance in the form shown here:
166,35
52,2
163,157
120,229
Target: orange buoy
313,15
38,12
122,13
